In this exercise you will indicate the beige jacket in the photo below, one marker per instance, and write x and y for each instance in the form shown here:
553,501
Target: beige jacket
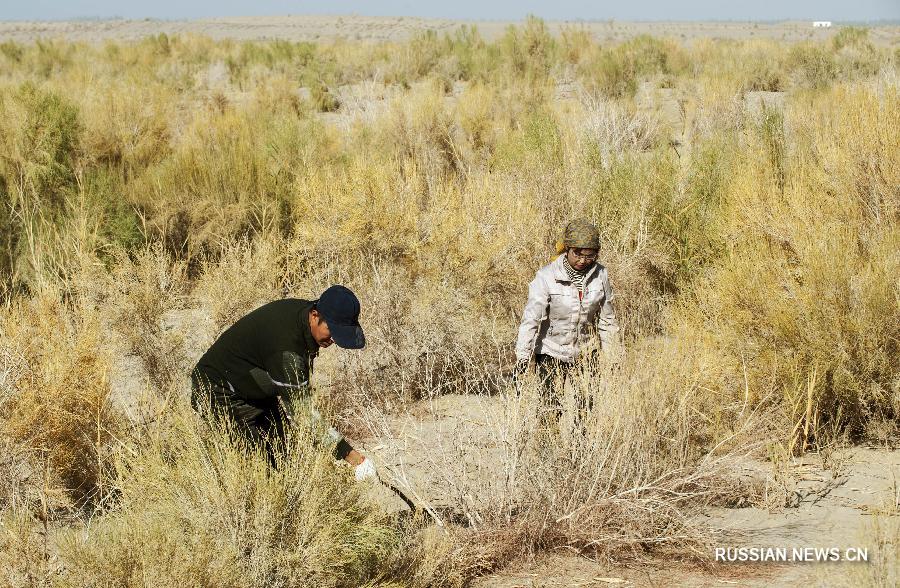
556,323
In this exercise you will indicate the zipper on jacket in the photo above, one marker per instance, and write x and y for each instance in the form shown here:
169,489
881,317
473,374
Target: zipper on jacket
577,327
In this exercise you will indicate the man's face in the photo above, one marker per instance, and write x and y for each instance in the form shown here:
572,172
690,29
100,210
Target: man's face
319,329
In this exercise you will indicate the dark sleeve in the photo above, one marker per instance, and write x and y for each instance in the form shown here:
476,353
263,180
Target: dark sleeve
289,375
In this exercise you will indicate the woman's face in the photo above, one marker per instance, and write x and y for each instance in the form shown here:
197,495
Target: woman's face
581,259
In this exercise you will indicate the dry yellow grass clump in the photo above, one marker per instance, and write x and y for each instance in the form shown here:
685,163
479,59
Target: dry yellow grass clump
152,192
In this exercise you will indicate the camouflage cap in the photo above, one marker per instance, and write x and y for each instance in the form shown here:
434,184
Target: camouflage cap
581,234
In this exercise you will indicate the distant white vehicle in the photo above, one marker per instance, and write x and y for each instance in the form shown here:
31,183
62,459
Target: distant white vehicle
824,24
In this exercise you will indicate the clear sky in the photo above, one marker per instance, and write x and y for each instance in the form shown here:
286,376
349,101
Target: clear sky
836,10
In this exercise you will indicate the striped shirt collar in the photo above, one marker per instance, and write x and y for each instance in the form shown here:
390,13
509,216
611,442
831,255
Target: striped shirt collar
577,277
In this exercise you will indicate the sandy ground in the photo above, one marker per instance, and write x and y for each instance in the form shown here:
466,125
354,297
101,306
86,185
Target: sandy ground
328,28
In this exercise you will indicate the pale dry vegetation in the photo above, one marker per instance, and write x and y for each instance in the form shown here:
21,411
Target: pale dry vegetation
153,192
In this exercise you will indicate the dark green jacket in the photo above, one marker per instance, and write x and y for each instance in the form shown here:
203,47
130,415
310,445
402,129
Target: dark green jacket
269,354
265,354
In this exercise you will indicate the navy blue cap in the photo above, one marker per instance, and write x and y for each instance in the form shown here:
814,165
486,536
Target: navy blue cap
340,309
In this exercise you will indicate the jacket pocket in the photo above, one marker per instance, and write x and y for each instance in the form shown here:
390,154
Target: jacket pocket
561,306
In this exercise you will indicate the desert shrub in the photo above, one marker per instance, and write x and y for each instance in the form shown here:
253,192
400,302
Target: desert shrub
278,56
770,127
860,152
476,113
193,50
607,75
40,136
470,53
256,266
796,325
762,71
128,125
419,132
52,57
537,140
811,66
232,176
12,51
575,43
56,396
366,205
747,66
647,55
159,44
323,98
529,50
627,196
822,331
118,224
691,222
145,285
415,59
611,131
194,507
850,36
614,72
855,54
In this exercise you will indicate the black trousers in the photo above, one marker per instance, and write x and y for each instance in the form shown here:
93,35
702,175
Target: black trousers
553,374
259,422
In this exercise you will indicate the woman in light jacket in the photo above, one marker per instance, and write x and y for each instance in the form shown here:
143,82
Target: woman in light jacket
569,309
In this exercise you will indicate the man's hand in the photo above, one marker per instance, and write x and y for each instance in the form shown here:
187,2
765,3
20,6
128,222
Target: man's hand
365,470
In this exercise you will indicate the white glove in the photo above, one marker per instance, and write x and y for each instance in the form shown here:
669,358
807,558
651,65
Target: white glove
365,470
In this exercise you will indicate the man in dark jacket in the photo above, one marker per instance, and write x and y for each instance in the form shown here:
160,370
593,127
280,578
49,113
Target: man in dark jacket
258,371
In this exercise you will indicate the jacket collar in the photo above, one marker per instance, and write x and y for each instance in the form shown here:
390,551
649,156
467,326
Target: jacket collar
306,334
560,274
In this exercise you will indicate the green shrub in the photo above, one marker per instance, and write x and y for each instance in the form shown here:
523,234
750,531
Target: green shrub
615,72
606,74
12,51
811,66
119,222
761,73
39,136
850,37
528,50
770,127
41,132
646,55
538,140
